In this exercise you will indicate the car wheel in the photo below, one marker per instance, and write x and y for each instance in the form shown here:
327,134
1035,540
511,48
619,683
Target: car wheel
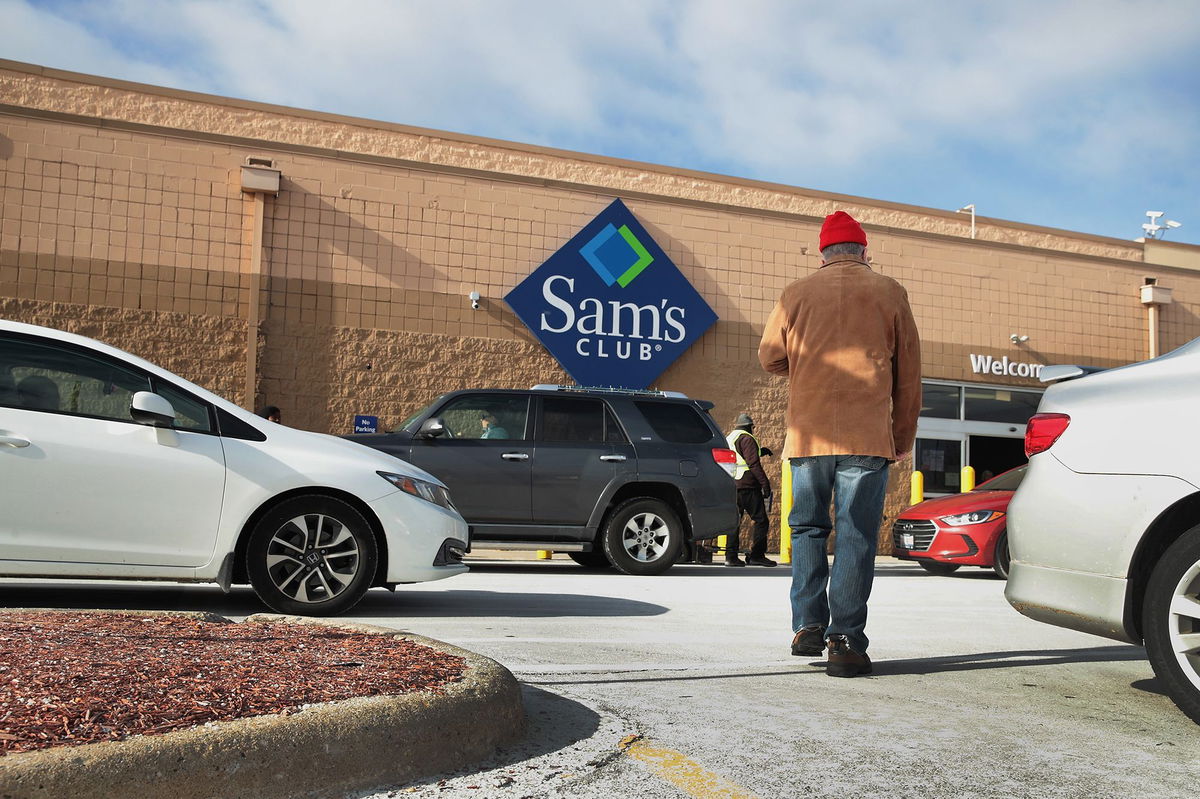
938,568
1171,621
596,559
643,536
311,556
1000,557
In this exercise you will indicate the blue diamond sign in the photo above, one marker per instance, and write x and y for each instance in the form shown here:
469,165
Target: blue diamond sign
610,305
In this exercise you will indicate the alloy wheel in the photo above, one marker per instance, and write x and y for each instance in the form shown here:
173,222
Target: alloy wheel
645,536
1183,626
312,558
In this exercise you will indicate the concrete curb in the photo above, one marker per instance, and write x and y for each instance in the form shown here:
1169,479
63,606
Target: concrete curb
326,750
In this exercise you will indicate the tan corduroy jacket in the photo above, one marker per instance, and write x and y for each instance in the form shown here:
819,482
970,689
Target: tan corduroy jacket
846,340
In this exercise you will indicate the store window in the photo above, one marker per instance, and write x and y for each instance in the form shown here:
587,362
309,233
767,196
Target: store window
940,402
1000,405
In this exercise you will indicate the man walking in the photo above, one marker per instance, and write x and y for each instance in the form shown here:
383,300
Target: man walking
753,494
846,340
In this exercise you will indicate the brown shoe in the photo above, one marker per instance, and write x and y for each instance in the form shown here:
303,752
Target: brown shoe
809,641
844,661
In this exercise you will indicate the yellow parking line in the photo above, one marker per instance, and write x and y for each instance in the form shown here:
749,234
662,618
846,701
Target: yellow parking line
687,775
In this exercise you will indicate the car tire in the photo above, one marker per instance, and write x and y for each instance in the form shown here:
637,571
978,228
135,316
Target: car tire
596,559
1000,556
311,556
643,536
939,568
1174,586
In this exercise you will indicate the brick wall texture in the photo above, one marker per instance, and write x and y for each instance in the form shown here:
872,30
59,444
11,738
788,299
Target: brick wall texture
123,219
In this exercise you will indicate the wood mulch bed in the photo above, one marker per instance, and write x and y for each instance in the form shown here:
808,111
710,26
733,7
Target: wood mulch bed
76,678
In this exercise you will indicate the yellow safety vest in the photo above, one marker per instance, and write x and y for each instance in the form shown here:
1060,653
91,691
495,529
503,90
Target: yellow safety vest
742,467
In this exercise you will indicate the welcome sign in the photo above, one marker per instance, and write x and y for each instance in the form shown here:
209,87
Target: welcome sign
610,306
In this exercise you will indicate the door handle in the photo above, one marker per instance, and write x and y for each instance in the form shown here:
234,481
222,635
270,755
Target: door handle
15,442
515,456
613,458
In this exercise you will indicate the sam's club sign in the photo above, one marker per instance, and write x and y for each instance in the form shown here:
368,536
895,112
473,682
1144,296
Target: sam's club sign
610,305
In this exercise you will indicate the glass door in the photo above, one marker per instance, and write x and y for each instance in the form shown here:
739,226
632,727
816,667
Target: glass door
940,460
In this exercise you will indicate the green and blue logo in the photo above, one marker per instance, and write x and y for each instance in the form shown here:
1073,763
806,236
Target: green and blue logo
609,254
610,305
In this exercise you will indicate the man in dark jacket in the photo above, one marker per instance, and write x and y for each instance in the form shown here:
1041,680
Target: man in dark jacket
753,494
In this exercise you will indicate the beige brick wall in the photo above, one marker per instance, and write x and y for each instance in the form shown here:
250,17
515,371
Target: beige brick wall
123,219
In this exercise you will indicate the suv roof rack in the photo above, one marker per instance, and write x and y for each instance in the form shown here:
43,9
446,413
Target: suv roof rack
611,390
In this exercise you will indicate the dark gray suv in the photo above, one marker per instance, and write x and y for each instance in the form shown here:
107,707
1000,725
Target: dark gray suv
627,479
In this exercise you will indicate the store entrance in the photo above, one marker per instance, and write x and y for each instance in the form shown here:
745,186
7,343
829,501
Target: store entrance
989,455
970,425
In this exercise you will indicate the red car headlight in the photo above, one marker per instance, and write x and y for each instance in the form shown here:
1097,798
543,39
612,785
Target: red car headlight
971,517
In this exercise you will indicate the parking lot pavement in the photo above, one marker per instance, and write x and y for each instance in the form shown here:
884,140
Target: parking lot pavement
968,697
660,686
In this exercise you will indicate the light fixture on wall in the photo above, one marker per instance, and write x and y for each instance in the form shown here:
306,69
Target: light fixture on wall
970,207
1016,338
474,298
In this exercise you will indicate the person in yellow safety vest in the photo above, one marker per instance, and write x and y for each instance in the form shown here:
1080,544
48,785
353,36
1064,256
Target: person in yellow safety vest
753,494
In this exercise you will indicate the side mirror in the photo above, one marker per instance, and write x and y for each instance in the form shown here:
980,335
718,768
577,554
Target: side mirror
432,428
151,409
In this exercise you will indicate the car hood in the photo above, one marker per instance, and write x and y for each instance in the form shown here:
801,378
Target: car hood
958,503
344,450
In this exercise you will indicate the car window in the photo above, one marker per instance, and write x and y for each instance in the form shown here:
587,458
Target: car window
572,419
675,422
486,416
47,377
1009,481
190,414
613,433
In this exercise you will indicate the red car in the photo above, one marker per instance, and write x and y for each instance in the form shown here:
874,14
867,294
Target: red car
969,529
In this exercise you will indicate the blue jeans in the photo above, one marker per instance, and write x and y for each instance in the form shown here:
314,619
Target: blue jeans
835,600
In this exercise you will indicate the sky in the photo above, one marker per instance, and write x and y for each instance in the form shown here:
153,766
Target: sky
1073,114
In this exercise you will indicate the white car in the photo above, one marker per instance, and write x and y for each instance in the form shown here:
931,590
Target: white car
111,467
1104,532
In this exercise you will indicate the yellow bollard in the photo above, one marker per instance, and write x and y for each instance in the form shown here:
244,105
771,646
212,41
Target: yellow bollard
785,510
968,478
544,554
723,541
917,488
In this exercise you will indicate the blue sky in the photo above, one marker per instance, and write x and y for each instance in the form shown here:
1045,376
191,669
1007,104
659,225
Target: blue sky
1070,114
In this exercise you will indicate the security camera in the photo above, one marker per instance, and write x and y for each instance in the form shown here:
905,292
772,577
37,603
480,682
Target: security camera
1173,223
474,298
1016,339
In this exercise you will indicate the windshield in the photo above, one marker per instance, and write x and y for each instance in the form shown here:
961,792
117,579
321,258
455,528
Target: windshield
1004,482
404,425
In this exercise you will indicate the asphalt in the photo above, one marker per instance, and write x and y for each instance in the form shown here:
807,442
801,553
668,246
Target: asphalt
328,750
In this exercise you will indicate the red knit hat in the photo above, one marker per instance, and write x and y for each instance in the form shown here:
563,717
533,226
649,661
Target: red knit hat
840,227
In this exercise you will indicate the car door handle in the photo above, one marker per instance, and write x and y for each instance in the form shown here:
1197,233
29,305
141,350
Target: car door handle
613,458
515,456
14,441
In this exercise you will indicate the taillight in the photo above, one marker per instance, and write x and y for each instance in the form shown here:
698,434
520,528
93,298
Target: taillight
1043,430
726,459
